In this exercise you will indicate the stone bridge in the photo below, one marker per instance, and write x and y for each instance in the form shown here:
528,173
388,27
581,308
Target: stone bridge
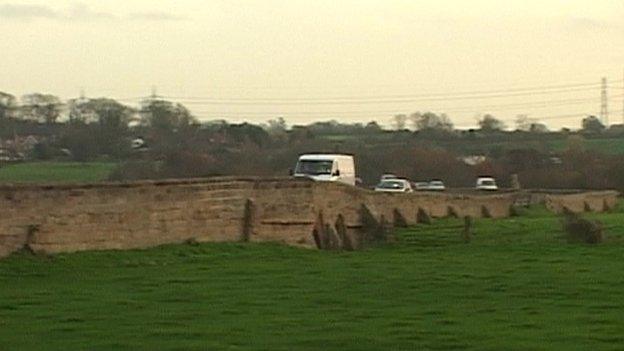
102,216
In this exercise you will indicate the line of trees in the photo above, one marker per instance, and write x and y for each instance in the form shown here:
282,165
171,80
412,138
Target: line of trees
47,108
176,144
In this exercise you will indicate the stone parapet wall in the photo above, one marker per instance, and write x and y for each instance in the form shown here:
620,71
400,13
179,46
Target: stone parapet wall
67,218
595,201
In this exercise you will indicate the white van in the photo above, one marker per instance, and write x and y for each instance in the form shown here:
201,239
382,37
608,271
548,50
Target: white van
327,167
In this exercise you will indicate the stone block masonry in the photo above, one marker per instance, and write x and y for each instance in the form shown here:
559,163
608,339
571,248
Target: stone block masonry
67,218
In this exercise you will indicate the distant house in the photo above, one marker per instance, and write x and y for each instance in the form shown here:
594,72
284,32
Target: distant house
9,155
473,160
5,155
17,147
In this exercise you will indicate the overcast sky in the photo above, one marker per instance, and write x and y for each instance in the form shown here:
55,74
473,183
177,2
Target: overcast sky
250,60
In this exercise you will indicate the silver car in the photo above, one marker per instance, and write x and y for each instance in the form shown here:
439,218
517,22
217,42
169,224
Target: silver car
436,185
394,186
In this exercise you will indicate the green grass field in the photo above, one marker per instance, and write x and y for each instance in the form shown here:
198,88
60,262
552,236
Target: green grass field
517,286
56,172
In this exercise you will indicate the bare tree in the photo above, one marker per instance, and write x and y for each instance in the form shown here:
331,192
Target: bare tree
429,120
490,124
592,124
106,112
532,125
399,121
166,116
43,108
8,104
523,123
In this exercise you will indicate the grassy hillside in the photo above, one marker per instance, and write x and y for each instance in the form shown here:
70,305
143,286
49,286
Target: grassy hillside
55,172
516,286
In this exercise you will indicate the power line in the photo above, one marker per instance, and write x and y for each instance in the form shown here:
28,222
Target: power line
547,89
364,99
543,88
500,107
356,102
401,84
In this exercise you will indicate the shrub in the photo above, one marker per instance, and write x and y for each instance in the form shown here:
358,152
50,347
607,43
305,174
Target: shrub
581,230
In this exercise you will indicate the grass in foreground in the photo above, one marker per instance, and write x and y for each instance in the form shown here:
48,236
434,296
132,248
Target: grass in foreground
56,172
516,286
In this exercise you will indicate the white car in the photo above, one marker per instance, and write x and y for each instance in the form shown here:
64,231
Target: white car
436,185
387,176
421,186
486,183
394,186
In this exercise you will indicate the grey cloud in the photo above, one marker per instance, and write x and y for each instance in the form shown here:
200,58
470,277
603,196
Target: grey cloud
155,16
83,12
16,11
77,12
591,24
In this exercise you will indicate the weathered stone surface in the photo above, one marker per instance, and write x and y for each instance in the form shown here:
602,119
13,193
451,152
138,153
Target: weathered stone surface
149,213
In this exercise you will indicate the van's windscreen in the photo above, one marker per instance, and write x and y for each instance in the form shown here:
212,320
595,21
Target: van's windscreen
314,167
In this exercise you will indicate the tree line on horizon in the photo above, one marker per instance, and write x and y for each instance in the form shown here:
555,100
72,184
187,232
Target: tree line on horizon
50,109
177,145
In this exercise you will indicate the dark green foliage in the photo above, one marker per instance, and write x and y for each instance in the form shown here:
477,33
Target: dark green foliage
491,124
43,152
165,116
593,125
